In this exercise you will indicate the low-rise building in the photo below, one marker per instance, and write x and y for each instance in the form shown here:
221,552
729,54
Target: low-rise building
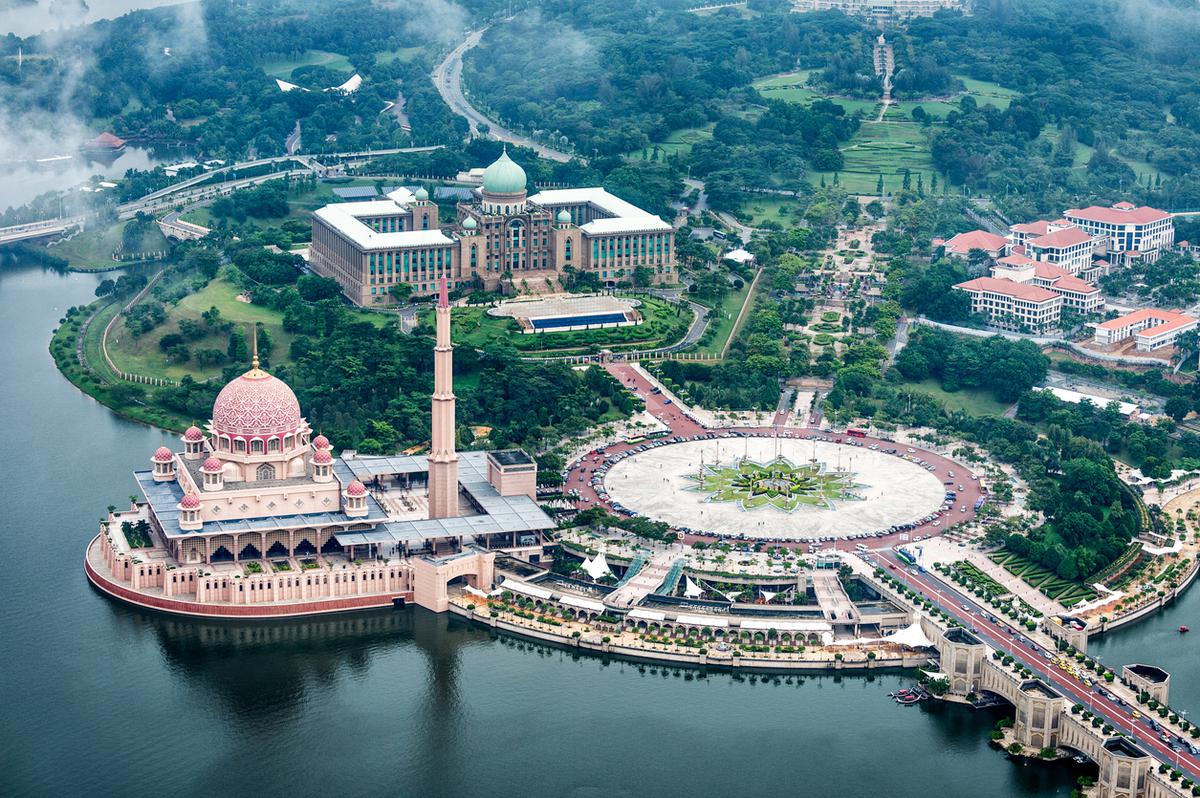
1012,305
963,244
1077,293
1151,328
1068,248
1130,232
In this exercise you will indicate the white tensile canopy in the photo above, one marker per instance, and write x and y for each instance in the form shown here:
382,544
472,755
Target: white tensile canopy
597,568
768,595
691,589
909,637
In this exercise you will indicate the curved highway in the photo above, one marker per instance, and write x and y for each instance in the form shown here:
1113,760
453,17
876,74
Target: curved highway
447,76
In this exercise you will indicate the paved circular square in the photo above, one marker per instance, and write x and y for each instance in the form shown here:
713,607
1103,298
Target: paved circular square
737,486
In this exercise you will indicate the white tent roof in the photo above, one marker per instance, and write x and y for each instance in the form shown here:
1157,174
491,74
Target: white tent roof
739,255
596,568
767,595
646,615
285,86
911,637
524,589
787,626
582,603
691,589
702,620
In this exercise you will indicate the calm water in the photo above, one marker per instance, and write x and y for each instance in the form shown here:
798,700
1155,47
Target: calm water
20,183
52,15
97,699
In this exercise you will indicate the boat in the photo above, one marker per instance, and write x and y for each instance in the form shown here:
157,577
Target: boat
1184,629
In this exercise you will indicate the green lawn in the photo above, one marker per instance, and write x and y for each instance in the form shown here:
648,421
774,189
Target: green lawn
884,148
722,318
1037,576
762,209
977,403
1083,154
300,205
92,249
679,142
985,92
142,355
474,327
403,55
792,87
283,67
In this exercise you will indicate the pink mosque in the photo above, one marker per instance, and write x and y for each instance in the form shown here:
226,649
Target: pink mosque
256,517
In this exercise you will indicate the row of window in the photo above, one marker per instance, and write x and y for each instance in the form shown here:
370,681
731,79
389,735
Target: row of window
638,247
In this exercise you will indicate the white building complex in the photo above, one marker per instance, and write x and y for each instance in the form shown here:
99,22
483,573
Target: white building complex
382,250
883,10
1150,328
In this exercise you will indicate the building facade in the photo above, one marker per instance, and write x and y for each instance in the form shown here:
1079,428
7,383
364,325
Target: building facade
1012,305
1077,293
881,10
1129,232
1151,329
382,250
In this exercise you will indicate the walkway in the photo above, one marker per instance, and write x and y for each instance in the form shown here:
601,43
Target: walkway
831,596
447,77
647,580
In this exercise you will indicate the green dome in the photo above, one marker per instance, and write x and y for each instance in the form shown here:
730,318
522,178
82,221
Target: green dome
421,194
564,216
469,223
504,176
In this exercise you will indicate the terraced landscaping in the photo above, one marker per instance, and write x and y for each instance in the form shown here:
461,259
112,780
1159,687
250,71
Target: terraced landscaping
1050,584
680,142
283,67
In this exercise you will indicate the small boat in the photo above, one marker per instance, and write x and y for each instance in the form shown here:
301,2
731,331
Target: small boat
1184,629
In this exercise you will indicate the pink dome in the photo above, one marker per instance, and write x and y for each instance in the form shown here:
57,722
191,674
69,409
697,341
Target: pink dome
190,502
356,488
320,442
163,455
322,457
256,404
193,434
211,464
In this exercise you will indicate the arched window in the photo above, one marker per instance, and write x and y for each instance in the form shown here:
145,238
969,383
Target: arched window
289,442
474,255
273,445
256,446
265,471
424,221
239,445
567,251
516,235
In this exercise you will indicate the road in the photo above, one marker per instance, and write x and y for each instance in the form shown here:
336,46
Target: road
997,635
447,77
683,426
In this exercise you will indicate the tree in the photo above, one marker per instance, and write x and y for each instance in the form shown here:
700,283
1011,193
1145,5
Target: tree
1177,408
237,351
401,292
106,288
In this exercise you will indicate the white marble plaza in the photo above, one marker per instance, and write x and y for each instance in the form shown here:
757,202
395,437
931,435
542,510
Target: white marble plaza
655,483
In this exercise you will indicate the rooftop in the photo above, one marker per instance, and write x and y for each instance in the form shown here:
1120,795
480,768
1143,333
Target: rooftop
512,457
1067,237
1030,293
1139,316
623,217
1121,213
963,243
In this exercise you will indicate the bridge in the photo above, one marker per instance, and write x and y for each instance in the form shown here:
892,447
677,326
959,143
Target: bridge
46,227
986,656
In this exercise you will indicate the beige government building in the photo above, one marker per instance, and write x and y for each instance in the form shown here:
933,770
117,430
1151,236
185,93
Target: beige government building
501,237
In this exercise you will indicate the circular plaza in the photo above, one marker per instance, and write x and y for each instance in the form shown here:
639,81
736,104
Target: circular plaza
786,489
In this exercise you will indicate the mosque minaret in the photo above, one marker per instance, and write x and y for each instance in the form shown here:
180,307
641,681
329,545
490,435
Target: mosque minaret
443,460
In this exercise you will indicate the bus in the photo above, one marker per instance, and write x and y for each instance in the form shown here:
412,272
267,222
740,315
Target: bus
856,433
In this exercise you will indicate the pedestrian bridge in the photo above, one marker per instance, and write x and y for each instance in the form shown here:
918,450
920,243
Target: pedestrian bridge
32,230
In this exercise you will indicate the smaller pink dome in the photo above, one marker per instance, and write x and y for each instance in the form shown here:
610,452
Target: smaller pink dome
190,502
322,457
163,455
211,464
356,488
320,442
193,434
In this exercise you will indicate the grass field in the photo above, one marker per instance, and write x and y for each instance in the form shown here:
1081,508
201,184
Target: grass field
884,148
764,209
300,206
679,142
143,355
1061,590
1083,154
283,67
403,55
985,92
792,87
722,318
977,403
92,249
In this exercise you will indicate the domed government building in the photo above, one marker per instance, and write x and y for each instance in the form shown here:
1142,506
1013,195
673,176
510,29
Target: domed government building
257,516
502,238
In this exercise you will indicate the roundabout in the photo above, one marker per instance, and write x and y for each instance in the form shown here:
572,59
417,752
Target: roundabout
786,489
